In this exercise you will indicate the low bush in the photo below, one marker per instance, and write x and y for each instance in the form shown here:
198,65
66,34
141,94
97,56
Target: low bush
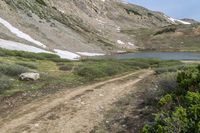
129,11
5,83
90,72
41,2
165,100
137,64
12,69
188,81
171,68
183,116
92,69
184,119
27,64
67,67
168,82
30,55
166,30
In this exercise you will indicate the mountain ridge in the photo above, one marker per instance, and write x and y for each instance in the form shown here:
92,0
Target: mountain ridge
82,26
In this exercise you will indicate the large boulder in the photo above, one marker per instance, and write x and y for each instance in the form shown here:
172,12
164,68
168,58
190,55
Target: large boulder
29,76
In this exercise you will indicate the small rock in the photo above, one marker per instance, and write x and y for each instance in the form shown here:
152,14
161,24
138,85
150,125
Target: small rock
53,25
140,77
101,95
83,103
124,125
37,125
107,122
29,14
29,76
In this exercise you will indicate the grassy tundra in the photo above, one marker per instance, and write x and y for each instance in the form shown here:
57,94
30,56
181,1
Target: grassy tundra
60,73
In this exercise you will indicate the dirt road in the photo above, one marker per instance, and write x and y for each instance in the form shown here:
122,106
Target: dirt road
71,111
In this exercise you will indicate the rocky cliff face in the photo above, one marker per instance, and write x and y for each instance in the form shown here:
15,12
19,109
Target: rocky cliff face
79,25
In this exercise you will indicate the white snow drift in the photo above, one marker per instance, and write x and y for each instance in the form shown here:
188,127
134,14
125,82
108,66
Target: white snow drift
66,54
176,20
120,42
90,54
10,45
19,33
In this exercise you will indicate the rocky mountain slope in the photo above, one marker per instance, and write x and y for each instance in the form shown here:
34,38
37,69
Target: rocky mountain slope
83,27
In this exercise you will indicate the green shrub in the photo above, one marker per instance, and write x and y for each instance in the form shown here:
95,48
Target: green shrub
90,72
166,30
113,69
192,98
67,67
184,118
5,83
136,64
41,2
28,64
168,82
188,81
30,55
12,70
129,11
165,100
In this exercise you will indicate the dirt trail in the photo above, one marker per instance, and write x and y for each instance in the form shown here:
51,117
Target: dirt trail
70,112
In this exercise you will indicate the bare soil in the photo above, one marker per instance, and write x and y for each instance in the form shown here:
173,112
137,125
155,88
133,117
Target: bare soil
71,111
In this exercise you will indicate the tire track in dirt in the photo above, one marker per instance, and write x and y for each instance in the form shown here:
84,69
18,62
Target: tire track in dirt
70,112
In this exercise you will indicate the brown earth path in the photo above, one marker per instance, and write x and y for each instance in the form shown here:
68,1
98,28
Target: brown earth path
74,111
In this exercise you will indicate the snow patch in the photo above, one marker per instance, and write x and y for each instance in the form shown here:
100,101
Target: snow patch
90,54
131,44
183,22
66,54
19,33
120,42
11,45
121,51
100,21
176,20
62,11
118,29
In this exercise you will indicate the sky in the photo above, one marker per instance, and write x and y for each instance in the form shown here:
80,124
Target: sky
174,8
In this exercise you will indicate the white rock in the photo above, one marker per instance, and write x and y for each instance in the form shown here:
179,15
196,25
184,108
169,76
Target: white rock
36,125
101,95
29,76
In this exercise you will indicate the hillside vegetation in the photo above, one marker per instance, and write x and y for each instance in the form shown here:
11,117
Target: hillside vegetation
167,102
62,73
179,108
168,38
